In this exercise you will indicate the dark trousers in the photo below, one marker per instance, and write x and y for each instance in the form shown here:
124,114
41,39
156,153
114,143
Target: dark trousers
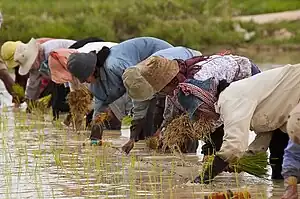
278,143
59,101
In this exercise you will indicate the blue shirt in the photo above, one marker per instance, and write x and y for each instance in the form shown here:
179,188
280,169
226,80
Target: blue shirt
109,86
116,87
177,53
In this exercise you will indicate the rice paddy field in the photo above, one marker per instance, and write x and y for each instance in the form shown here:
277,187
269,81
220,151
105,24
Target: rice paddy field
41,159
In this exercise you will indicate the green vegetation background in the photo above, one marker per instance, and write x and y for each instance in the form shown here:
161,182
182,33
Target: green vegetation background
182,22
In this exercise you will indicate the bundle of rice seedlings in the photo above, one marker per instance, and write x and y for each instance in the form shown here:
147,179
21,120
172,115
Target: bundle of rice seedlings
181,130
79,101
152,142
126,121
255,164
44,101
19,92
101,118
40,105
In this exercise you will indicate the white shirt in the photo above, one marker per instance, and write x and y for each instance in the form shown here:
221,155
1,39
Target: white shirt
262,102
97,46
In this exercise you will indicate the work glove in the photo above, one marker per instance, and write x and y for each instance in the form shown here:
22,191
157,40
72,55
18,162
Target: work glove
218,166
291,191
136,129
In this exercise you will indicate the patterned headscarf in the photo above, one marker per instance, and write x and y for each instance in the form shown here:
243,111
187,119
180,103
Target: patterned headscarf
188,68
199,97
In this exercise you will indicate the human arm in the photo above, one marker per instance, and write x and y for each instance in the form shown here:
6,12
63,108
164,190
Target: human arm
236,114
33,87
139,110
7,80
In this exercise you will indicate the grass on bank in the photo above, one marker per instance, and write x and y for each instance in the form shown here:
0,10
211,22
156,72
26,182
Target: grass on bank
188,23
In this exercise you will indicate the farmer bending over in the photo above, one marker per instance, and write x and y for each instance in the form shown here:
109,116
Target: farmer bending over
261,103
61,75
31,58
197,83
7,53
104,72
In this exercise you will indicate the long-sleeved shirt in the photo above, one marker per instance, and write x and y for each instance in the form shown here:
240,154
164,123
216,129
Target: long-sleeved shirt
34,82
291,161
109,86
228,67
261,103
140,108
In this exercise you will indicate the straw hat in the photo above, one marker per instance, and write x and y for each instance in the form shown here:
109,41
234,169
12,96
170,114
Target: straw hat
7,53
25,55
149,77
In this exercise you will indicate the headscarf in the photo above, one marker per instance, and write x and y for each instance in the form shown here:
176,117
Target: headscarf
58,65
187,68
194,95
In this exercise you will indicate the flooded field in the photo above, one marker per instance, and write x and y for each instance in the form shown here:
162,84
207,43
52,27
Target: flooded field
40,159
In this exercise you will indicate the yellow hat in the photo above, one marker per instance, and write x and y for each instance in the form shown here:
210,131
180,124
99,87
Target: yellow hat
8,51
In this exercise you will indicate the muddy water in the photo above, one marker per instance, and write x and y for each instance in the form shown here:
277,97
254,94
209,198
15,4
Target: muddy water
39,159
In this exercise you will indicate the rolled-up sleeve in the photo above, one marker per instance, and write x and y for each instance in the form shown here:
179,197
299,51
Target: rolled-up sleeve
291,160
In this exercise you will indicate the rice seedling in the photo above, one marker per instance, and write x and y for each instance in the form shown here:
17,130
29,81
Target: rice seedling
255,165
152,142
181,129
126,121
79,101
19,92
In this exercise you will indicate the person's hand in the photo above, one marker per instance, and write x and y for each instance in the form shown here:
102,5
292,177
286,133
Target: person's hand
157,134
290,192
218,166
128,146
205,158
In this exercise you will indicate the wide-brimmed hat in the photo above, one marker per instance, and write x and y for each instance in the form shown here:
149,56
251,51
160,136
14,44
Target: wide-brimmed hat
25,55
149,77
8,51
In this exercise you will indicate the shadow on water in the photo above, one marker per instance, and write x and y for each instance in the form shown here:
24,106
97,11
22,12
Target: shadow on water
39,159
